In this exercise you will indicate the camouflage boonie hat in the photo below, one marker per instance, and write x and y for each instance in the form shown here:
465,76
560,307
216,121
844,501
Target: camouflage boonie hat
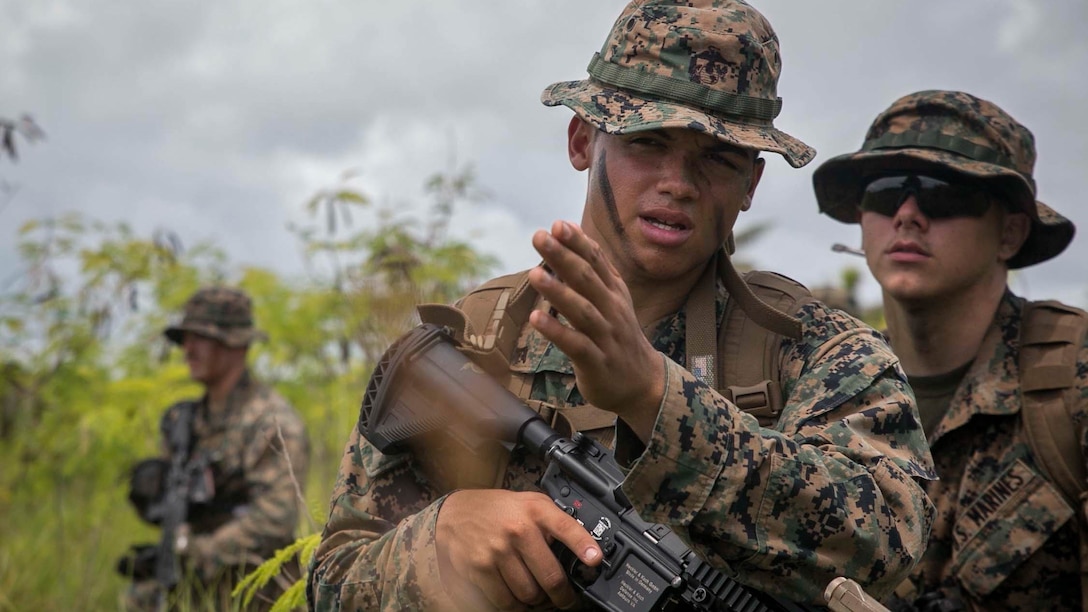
219,313
942,132
707,65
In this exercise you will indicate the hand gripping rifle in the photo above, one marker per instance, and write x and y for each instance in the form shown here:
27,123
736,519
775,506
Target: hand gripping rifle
423,385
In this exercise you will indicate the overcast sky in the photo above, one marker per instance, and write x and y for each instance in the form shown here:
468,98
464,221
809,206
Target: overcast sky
217,120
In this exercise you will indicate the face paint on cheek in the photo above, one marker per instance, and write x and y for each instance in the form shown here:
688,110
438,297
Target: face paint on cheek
605,187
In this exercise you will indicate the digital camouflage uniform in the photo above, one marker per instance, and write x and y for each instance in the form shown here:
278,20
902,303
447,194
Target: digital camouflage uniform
831,491
837,477
1005,538
257,454
1004,535
256,508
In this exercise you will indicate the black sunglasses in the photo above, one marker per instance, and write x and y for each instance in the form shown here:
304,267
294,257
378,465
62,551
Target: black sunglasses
936,198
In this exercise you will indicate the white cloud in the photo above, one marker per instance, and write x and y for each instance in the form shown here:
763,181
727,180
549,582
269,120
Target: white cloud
1020,26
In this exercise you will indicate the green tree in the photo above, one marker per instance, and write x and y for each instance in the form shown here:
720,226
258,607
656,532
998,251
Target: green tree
381,271
377,277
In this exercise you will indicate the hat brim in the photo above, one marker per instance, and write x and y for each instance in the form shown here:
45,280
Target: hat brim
618,111
233,338
840,181
1050,234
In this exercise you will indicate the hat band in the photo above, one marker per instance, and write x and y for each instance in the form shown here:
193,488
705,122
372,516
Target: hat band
949,143
219,323
679,90
945,142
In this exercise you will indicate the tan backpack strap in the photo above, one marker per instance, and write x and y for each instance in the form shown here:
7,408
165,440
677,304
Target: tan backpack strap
586,417
701,328
749,373
765,315
1051,335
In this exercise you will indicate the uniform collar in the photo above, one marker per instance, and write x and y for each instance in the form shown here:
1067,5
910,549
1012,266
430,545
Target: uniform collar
238,395
992,384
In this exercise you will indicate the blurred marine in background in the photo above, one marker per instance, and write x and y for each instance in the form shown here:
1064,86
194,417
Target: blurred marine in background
944,193
226,489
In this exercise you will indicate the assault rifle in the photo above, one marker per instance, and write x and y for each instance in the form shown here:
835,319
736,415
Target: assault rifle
423,385
162,492
173,510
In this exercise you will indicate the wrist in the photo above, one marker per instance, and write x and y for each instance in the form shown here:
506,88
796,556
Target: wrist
641,416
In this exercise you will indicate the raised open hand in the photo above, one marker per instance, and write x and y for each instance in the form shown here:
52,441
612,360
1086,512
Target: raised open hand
616,366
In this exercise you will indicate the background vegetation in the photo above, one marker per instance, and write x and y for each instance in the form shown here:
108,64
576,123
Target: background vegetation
85,372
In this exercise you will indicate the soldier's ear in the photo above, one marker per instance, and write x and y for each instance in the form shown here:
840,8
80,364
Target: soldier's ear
753,181
1015,228
579,143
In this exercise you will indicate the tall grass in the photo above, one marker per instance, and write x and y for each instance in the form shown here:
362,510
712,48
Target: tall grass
64,514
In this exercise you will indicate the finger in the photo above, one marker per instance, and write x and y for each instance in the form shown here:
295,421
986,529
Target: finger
548,323
466,596
469,567
522,582
574,536
548,574
544,565
572,268
572,237
579,346
498,563
463,593
492,585
582,314
593,277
